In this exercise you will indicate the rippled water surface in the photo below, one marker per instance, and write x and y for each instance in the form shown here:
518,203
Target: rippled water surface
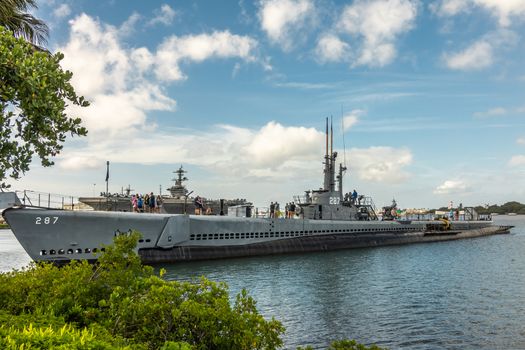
467,294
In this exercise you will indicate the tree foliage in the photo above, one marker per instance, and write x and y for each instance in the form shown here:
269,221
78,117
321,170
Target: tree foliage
15,17
34,94
123,303
509,207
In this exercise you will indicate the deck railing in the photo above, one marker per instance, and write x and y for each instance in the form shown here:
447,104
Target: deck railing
48,200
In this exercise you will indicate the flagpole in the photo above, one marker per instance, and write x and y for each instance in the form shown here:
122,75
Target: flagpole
107,178
107,185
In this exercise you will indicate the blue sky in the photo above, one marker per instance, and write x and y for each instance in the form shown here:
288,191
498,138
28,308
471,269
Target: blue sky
431,94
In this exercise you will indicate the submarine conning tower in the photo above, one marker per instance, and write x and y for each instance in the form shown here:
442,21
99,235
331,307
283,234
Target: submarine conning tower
328,202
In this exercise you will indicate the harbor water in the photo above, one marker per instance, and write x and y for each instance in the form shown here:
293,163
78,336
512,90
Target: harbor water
467,294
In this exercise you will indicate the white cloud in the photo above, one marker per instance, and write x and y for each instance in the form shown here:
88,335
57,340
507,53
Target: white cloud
128,27
381,164
352,118
111,78
165,15
378,23
503,10
493,112
451,187
274,144
517,160
118,81
74,162
62,11
330,48
521,141
283,19
480,54
198,48
477,56
273,151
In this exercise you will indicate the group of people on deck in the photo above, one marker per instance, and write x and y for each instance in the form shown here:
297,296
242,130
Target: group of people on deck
353,198
200,208
148,203
290,210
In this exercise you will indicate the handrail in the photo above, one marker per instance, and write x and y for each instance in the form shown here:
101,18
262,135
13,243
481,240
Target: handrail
47,200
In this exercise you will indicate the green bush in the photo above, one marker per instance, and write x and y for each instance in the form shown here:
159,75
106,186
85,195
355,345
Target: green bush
136,306
67,338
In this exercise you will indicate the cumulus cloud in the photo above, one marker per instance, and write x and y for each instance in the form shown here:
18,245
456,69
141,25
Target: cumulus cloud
381,164
62,11
197,48
517,160
106,74
503,10
125,84
274,144
480,54
451,187
330,48
80,162
273,151
521,141
449,7
378,24
352,118
283,19
165,15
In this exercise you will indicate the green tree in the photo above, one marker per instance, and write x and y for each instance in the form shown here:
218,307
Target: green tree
14,16
34,94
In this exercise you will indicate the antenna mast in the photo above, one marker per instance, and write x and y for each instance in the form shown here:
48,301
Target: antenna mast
343,132
327,167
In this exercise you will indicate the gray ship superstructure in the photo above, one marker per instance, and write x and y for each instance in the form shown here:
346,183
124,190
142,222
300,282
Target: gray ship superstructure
327,219
179,201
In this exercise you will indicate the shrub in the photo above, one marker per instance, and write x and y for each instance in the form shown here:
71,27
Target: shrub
135,306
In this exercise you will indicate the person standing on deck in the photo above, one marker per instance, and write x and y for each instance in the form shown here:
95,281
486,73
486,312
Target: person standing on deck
140,204
134,202
354,197
159,203
272,210
198,205
146,203
152,203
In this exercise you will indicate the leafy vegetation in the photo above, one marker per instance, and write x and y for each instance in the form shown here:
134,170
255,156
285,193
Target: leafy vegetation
34,94
15,16
509,207
121,304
